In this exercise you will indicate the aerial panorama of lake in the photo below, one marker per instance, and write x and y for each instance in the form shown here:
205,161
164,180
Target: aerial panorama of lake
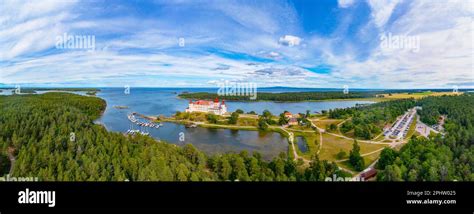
164,101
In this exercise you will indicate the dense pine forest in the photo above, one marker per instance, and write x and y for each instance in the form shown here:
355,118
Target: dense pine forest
283,97
52,136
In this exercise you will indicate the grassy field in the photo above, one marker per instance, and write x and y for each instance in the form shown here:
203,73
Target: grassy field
379,138
369,159
333,145
245,121
412,129
233,127
418,95
326,123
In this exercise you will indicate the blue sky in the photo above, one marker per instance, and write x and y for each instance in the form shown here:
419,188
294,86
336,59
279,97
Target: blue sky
305,43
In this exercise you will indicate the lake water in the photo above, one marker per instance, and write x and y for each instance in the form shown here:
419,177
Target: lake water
164,101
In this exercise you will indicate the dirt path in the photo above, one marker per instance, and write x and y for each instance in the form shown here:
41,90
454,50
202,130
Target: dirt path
291,139
362,155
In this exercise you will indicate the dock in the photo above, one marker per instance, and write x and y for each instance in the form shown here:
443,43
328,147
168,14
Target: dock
142,124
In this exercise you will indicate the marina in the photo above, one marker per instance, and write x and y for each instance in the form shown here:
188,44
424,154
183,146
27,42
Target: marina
144,125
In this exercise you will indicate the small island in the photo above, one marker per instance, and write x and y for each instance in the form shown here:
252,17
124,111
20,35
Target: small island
366,95
91,93
121,107
285,96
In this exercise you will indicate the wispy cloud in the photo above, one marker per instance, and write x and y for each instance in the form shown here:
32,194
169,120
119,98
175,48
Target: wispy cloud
264,41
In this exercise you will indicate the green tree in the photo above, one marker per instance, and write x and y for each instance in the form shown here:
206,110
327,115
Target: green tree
262,124
354,157
282,120
341,155
234,117
267,114
332,127
212,118
239,170
387,157
225,169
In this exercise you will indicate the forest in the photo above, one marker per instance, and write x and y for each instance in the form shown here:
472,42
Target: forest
55,89
282,97
53,137
304,96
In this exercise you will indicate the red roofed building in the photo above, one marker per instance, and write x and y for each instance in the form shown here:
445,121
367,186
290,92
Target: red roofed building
293,121
207,106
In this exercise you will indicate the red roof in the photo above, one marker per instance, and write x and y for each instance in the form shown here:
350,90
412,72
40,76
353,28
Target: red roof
202,102
369,174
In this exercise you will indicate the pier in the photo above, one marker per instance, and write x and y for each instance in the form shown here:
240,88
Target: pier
142,124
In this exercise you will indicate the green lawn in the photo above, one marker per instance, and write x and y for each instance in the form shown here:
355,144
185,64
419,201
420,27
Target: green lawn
412,128
333,145
326,123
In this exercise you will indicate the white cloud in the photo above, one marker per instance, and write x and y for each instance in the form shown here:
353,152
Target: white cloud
289,40
345,3
444,58
31,26
382,10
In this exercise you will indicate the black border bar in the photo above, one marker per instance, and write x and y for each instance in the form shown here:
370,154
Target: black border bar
238,194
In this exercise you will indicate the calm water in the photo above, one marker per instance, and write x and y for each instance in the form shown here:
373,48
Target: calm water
301,142
153,101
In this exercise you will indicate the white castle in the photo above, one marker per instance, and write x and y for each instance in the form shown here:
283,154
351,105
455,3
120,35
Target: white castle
207,106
